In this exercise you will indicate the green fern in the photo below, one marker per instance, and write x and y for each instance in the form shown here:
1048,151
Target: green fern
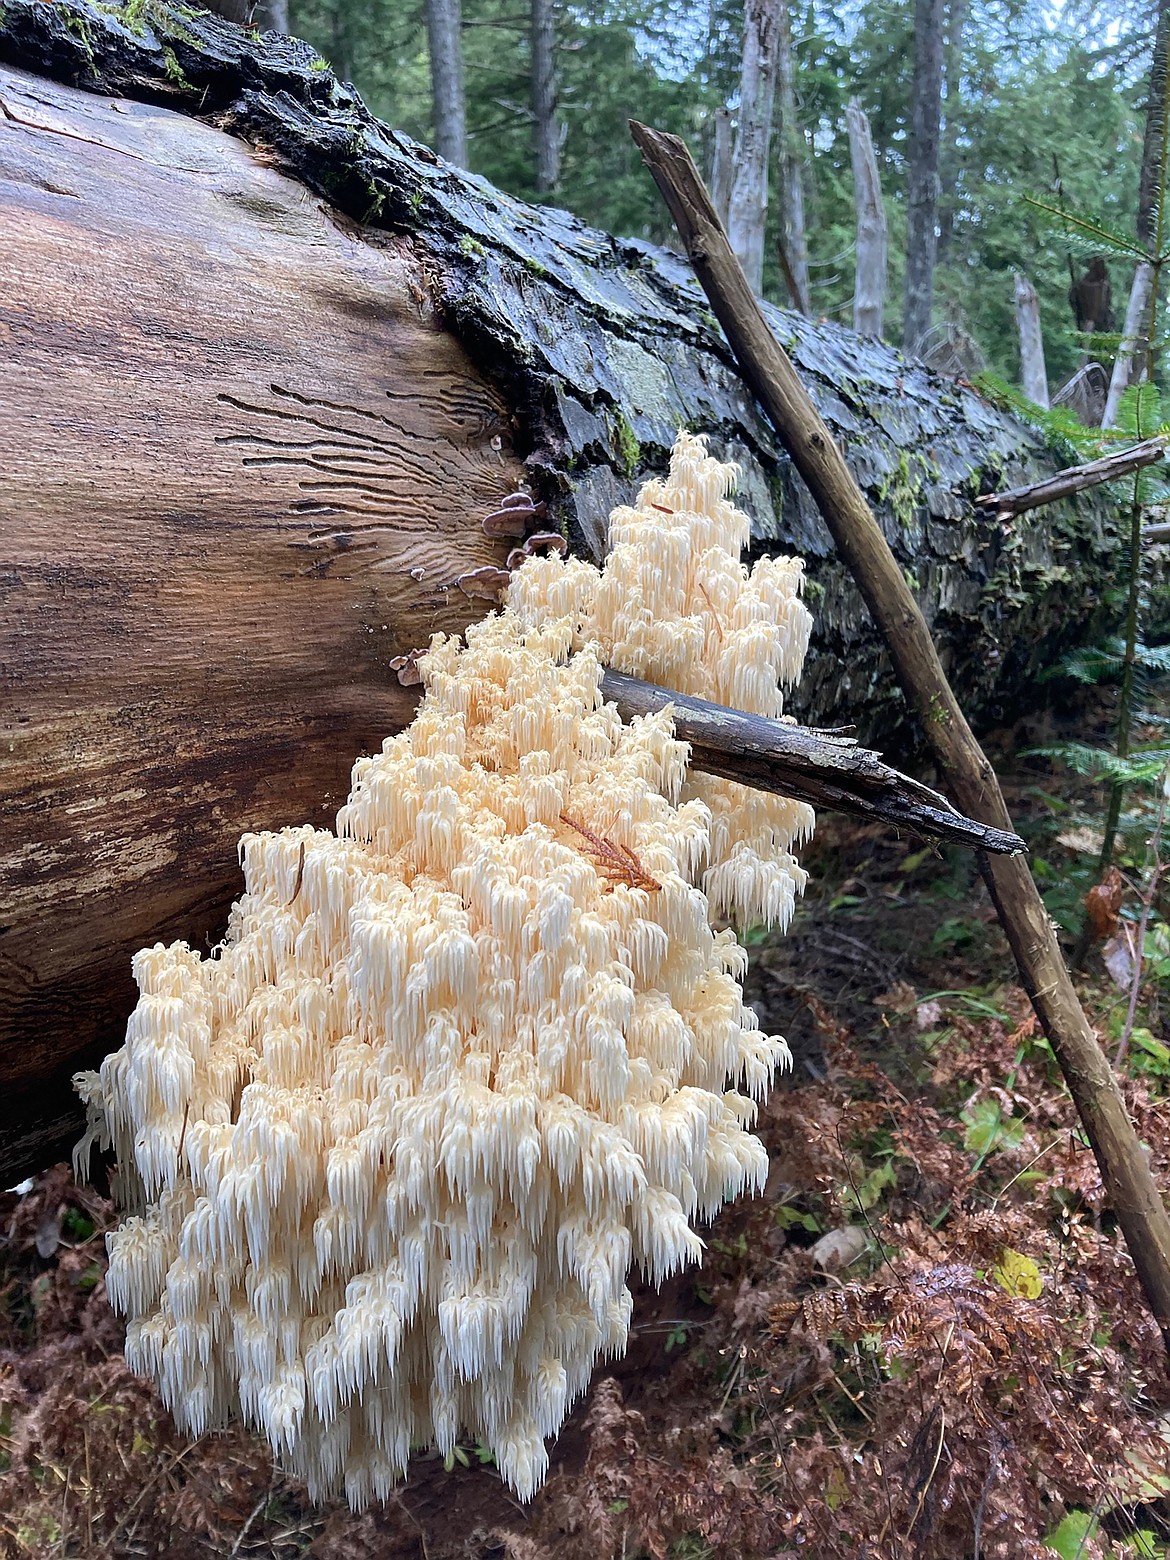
1060,427
1092,235
1142,767
1093,664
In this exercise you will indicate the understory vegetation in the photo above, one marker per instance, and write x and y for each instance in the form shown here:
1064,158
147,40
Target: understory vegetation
926,1338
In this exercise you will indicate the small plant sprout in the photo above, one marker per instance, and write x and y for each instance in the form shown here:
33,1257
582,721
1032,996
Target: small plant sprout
393,1149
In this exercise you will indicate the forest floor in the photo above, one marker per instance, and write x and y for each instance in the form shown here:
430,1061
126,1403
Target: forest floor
925,1339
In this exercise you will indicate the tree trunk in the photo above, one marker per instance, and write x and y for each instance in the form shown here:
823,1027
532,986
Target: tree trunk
271,16
546,126
1150,180
342,42
444,33
1132,338
791,170
285,421
922,178
869,286
1131,364
1033,374
721,164
748,207
949,156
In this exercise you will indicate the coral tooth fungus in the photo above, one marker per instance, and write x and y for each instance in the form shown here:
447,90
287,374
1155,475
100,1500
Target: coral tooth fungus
457,1067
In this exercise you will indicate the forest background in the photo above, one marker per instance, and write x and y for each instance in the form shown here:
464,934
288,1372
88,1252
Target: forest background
1036,100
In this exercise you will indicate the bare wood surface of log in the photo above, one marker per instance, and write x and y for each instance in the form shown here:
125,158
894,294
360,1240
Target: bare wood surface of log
243,465
811,766
1075,479
1125,1169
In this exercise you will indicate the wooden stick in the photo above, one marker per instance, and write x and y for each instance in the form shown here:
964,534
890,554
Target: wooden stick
1125,1170
810,766
1075,479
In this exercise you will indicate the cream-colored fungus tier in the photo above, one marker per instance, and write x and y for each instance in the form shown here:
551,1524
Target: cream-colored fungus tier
395,1146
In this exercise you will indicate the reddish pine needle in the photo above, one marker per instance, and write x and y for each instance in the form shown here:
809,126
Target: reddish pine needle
714,614
614,861
300,875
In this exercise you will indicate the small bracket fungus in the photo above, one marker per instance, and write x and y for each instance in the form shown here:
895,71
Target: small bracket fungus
406,668
515,515
487,582
394,1148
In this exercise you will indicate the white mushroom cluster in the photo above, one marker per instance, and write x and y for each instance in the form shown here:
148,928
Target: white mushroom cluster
458,1066
674,604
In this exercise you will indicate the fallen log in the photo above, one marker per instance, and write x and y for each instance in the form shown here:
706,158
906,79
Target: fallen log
262,380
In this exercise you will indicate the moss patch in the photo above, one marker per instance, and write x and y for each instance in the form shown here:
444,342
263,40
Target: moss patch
902,487
629,451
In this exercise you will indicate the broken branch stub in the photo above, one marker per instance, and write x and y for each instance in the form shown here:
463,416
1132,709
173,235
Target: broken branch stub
829,772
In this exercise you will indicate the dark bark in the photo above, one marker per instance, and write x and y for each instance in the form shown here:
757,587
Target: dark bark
546,126
1125,1167
922,177
444,35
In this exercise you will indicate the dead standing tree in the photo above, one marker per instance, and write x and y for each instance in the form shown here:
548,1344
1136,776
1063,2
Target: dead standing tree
290,362
747,211
869,285
922,187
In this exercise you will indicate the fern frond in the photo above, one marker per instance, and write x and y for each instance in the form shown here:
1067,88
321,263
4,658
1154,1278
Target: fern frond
1063,429
1140,768
1139,413
1090,664
1094,233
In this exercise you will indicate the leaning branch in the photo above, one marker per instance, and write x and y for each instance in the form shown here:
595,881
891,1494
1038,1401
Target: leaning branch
1075,479
1125,1169
829,772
